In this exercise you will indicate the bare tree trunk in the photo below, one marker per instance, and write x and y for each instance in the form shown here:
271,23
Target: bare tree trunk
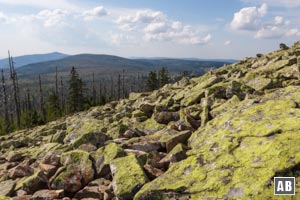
123,84
100,91
6,116
112,87
15,88
62,94
56,82
42,105
94,90
119,87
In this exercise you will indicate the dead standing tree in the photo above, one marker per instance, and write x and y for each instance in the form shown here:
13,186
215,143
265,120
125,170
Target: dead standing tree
42,105
14,78
6,116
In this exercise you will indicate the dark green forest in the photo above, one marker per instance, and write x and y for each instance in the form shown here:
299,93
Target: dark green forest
27,105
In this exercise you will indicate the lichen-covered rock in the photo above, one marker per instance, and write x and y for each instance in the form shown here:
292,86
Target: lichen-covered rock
48,194
238,153
105,155
7,187
223,135
33,183
89,192
128,176
20,171
78,171
166,117
5,197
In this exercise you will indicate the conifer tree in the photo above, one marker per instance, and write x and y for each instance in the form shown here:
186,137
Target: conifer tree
52,107
75,100
163,76
152,81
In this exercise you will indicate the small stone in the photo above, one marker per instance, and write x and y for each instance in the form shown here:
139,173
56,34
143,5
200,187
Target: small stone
166,117
48,170
7,187
182,137
152,172
51,159
14,156
89,192
20,171
48,194
87,147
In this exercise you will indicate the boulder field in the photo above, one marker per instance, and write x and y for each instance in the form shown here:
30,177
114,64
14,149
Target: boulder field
224,135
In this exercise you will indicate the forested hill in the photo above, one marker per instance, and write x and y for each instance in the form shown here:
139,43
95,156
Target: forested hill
34,58
111,64
223,135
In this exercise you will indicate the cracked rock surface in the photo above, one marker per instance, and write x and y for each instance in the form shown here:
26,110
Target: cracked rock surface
224,135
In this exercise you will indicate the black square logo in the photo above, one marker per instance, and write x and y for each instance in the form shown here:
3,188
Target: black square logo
284,185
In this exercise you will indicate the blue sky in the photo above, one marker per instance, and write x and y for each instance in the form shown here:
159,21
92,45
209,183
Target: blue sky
148,28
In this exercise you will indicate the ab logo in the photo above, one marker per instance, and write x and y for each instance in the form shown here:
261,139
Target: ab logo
284,185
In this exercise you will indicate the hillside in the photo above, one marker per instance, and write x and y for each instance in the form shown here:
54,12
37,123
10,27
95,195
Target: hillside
106,64
30,59
223,135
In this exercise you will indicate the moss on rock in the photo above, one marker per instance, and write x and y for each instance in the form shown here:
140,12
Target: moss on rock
128,176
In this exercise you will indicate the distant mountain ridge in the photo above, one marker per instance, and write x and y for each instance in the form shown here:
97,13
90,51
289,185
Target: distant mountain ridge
111,64
33,58
191,59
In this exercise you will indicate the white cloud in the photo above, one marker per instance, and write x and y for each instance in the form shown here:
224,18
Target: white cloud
129,22
270,32
278,20
278,3
293,32
248,18
53,17
228,42
50,4
95,13
3,18
277,29
156,26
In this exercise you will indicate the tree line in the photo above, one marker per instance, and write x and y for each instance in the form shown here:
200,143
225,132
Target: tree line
24,110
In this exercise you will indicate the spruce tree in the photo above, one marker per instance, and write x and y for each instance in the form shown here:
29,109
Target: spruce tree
75,100
152,81
52,107
163,76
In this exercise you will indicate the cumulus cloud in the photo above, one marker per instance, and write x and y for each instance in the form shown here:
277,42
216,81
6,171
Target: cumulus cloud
228,42
156,26
3,18
49,4
270,32
52,17
94,13
293,32
129,22
277,29
278,3
248,18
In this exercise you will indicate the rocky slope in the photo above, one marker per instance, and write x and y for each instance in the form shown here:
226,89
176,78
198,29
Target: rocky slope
224,135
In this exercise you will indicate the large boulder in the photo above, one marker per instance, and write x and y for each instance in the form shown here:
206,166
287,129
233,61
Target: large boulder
105,155
166,117
33,183
128,176
237,154
78,171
